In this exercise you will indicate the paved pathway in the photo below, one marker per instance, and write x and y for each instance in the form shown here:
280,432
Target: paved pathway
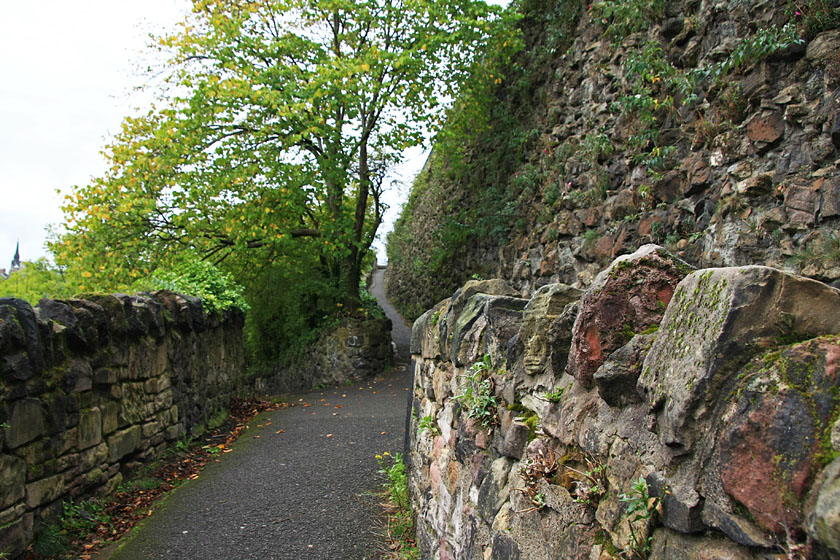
401,332
303,492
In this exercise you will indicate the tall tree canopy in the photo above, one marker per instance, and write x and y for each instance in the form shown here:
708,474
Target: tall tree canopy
274,134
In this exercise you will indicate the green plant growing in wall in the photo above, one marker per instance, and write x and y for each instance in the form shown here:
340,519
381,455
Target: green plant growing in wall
554,395
758,46
597,147
400,528
475,393
551,193
428,423
653,83
541,466
591,486
78,519
813,16
623,17
656,87
641,506
824,252
586,484
590,237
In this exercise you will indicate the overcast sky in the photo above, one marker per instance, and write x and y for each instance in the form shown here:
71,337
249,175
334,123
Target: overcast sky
67,71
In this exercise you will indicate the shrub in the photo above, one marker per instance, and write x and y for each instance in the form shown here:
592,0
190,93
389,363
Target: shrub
218,290
476,393
35,280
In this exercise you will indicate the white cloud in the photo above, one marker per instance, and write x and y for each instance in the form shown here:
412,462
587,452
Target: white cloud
66,74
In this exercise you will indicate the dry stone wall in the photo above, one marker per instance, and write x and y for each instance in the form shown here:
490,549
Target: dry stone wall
664,413
351,350
89,388
747,175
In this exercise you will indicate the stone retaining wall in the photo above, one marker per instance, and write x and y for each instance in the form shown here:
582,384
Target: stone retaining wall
664,413
350,350
90,388
752,178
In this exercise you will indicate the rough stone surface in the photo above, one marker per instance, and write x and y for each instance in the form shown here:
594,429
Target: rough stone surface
12,477
89,386
825,522
90,428
355,349
719,319
678,546
723,413
766,128
616,378
44,490
124,442
738,188
26,422
541,313
627,298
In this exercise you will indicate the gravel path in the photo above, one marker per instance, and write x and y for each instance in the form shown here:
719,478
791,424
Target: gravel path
299,482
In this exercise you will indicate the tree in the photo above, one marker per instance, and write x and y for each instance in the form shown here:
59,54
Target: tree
34,281
277,127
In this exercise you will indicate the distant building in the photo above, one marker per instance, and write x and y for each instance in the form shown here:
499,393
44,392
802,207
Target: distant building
15,259
15,263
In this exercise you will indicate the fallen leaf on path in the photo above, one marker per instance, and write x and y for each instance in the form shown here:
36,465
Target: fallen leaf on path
256,437
280,431
126,509
329,435
306,404
383,433
337,406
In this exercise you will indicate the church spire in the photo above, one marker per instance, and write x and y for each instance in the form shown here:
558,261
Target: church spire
16,258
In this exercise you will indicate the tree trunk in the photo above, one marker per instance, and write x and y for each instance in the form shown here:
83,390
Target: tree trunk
354,260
